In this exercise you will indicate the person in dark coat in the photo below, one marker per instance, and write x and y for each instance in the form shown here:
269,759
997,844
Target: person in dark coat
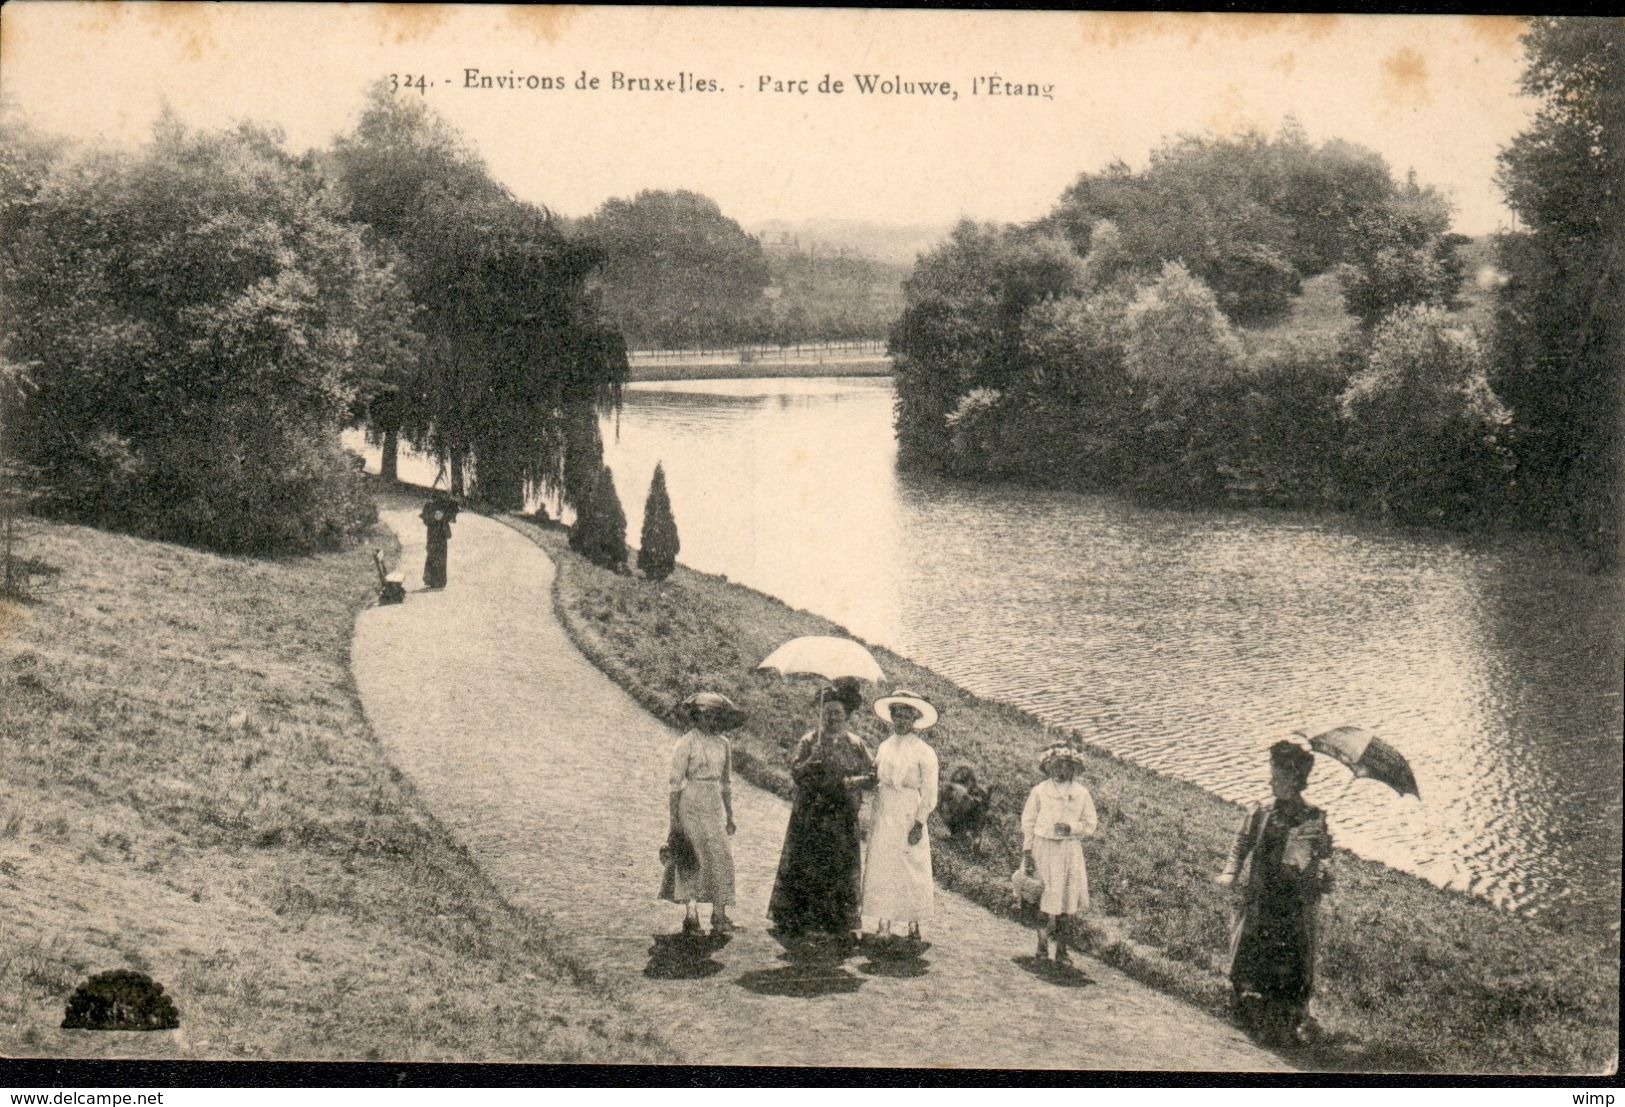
1277,871
438,515
820,876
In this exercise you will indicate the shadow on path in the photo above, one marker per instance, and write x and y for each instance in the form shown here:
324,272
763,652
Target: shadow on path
896,958
684,956
816,968
1062,976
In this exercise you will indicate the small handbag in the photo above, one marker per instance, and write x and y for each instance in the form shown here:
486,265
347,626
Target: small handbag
1027,890
678,850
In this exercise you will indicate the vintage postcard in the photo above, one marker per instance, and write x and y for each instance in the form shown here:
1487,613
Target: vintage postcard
946,540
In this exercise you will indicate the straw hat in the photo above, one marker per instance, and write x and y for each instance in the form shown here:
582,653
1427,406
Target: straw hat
1060,751
928,714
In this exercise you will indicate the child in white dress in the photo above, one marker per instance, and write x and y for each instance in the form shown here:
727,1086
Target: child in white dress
1059,814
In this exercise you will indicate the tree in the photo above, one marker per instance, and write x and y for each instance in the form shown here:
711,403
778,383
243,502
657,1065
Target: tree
961,327
1249,215
192,319
1425,423
658,544
599,533
1558,327
1403,256
1177,335
676,270
516,360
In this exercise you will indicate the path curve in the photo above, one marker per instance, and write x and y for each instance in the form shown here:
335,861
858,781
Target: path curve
554,780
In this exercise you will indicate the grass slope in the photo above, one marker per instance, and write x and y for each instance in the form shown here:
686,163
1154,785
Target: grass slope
192,791
1412,978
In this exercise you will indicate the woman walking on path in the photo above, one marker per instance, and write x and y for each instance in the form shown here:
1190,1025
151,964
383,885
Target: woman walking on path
820,868
1277,872
897,883
1059,814
437,515
702,813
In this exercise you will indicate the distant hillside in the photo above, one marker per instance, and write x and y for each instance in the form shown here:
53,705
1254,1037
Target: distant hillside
896,244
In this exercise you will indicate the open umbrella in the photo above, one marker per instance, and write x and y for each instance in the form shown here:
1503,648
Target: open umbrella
828,657
1366,755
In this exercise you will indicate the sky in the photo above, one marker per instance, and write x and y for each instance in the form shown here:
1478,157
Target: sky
1437,94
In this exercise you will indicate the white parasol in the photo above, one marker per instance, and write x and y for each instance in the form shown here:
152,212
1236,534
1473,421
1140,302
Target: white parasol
825,656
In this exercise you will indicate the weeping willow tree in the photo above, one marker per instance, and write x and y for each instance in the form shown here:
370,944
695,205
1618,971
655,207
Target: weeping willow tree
516,363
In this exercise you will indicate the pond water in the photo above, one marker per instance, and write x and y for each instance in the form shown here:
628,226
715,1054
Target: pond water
1186,642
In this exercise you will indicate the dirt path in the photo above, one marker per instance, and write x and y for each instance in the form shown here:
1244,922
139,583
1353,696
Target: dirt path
555,781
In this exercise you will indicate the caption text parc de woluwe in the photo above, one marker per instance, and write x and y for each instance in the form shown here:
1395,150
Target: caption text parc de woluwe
979,86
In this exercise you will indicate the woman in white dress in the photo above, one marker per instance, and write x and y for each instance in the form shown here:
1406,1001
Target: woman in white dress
897,882
1059,814
702,813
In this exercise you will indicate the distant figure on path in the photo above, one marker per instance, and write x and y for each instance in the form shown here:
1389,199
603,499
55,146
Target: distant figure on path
438,515
1059,814
820,869
897,882
1277,873
702,812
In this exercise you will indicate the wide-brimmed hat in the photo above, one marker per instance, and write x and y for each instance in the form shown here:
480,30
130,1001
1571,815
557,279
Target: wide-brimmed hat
713,707
928,714
1060,751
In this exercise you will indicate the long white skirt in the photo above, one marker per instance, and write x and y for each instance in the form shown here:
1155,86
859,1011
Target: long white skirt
1066,881
897,876
704,820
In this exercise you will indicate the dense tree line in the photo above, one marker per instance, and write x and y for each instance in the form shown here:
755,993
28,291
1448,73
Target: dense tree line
830,296
1107,345
1559,351
189,327
679,274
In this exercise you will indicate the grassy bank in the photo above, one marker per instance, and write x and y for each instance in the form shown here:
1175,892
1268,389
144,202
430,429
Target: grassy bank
1412,978
192,791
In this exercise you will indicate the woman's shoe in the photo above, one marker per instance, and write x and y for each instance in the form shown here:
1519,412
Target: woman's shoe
691,925
1043,948
1062,957
722,926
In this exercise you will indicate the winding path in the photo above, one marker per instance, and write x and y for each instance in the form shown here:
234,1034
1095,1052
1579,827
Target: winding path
554,780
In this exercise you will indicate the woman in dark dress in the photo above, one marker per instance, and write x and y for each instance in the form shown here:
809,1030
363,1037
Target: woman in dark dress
437,515
1278,873
820,876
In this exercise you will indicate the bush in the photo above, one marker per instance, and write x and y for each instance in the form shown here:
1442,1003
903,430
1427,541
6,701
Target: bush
1424,424
120,1000
1177,336
193,318
1254,285
658,544
1398,276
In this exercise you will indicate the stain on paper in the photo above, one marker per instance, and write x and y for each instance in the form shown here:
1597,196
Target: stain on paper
404,24
1405,79
545,22
1123,28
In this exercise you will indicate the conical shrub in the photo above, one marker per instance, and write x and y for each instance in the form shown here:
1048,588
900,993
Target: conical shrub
658,544
600,531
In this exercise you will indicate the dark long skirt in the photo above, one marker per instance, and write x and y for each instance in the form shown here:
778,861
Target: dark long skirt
1275,946
820,875
434,566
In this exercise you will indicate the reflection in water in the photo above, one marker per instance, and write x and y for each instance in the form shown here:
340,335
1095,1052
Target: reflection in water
1186,642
